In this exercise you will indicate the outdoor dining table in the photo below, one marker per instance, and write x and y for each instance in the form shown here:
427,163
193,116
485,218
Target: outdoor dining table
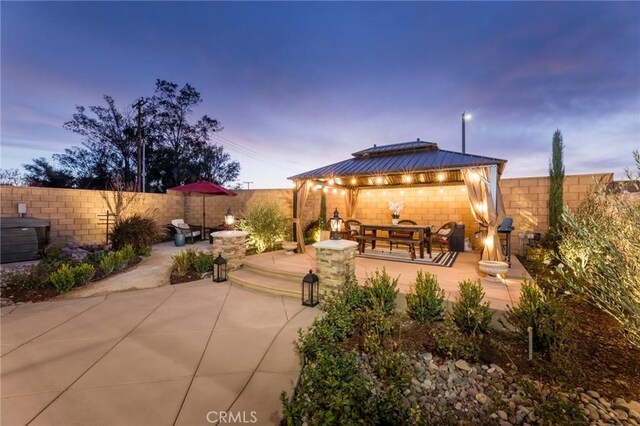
421,230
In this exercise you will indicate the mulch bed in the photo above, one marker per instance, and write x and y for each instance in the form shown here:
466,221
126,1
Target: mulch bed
179,279
20,294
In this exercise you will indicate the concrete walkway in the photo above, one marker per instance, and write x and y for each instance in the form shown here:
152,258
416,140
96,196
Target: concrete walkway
153,271
171,355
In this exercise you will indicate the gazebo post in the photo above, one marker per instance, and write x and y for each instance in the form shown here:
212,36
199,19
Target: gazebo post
493,185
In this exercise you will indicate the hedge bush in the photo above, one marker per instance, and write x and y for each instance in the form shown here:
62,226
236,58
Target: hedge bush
426,305
470,313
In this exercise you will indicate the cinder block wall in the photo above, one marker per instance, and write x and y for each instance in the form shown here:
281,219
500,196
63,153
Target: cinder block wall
216,206
74,213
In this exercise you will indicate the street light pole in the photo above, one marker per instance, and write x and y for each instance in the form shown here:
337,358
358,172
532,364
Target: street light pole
465,116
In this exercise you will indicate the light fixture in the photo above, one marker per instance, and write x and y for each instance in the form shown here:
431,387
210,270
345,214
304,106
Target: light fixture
331,182
465,117
229,219
407,178
379,180
440,177
354,181
336,224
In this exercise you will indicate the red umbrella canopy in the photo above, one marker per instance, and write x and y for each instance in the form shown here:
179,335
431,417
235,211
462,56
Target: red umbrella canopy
204,187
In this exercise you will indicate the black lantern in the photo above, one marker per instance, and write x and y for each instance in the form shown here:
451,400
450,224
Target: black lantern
310,289
219,269
229,219
336,225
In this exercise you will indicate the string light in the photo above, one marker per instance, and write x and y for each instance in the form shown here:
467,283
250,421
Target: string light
379,180
440,177
331,181
354,181
407,178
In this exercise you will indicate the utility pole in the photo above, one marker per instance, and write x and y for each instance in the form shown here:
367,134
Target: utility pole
248,183
141,174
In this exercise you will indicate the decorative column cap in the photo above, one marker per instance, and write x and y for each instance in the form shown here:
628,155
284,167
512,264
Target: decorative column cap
336,244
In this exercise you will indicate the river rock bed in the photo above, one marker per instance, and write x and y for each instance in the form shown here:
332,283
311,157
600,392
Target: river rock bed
462,392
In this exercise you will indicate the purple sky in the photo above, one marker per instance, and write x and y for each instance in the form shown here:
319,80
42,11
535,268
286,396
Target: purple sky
301,85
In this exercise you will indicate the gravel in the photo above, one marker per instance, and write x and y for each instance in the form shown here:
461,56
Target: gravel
465,392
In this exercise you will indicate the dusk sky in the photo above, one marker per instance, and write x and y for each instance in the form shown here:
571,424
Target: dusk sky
300,85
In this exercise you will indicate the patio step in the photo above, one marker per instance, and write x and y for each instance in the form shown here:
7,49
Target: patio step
266,282
292,271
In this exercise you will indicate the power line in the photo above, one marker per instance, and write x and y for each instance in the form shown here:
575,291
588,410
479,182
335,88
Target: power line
249,152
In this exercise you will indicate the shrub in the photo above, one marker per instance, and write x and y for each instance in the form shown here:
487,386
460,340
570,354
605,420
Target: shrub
63,279
546,314
203,262
139,230
311,232
121,260
600,255
96,257
83,273
108,263
469,312
381,290
427,304
145,251
266,225
453,343
183,261
128,253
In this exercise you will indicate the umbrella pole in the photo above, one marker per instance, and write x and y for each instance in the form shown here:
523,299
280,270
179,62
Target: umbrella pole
203,215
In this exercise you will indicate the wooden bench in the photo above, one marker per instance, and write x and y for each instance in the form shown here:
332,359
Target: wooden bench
362,239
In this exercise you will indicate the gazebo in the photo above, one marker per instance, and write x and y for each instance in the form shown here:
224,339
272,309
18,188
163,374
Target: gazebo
409,164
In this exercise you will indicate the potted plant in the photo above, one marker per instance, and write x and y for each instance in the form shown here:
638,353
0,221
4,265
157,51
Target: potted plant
395,207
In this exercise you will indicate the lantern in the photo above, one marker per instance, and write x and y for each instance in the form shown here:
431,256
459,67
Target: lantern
229,219
310,289
219,269
336,225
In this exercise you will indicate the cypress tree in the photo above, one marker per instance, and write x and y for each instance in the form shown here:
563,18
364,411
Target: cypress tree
556,180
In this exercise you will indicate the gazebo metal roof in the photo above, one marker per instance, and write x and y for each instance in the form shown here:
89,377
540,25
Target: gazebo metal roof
424,161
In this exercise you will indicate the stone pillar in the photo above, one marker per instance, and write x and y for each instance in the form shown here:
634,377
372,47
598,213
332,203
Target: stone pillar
334,259
231,244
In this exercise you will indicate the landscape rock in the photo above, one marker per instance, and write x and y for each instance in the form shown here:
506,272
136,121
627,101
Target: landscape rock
462,365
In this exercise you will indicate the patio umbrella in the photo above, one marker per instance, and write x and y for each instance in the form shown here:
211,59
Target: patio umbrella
203,187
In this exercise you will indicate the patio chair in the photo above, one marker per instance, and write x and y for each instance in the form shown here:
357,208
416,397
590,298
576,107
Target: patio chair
352,228
443,235
183,228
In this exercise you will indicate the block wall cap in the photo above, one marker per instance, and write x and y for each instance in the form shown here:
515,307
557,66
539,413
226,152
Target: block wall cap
228,234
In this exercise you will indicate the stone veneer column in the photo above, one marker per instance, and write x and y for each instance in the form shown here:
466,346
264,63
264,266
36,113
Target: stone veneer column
334,259
231,244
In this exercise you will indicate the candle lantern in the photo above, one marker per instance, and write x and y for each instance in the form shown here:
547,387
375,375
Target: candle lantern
219,269
310,289
229,219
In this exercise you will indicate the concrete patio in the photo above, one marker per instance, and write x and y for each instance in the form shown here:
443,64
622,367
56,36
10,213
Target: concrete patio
162,356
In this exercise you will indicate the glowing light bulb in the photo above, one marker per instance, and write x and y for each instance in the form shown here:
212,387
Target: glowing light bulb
354,181
440,177
408,178
379,180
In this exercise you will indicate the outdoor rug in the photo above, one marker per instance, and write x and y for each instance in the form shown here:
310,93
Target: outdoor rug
445,259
